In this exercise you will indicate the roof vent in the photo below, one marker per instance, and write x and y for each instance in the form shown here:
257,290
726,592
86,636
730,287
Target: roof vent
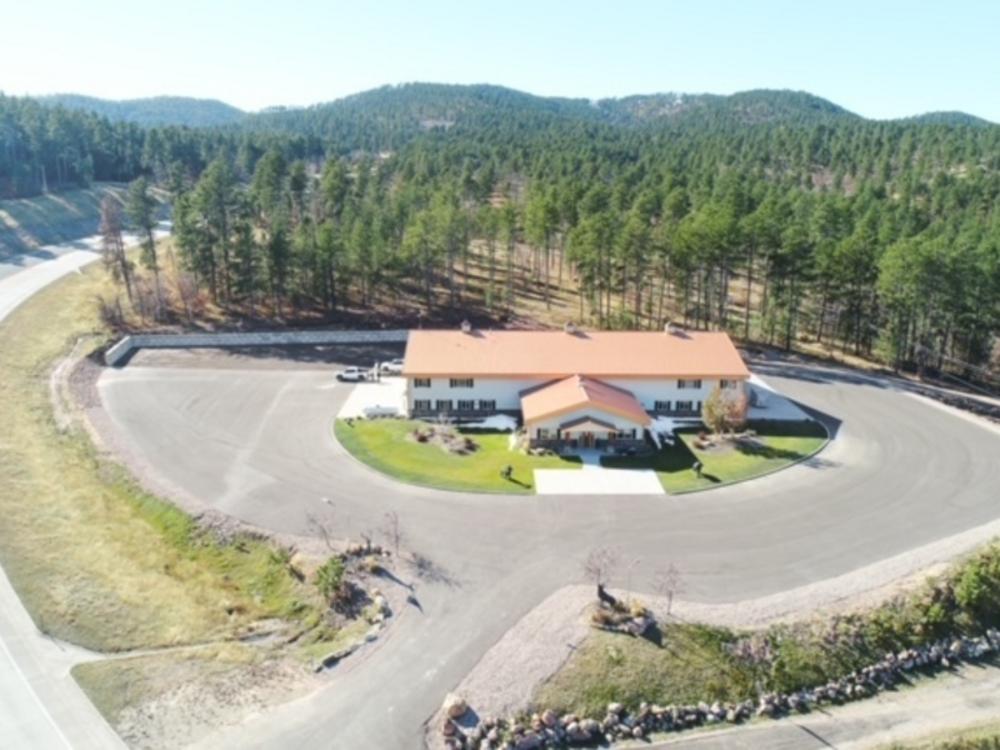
466,326
569,327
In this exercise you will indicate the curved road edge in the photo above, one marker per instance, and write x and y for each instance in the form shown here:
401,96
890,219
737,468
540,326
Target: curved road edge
41,705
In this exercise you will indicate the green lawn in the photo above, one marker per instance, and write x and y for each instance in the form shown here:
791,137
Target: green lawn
386,445
690,664
777,445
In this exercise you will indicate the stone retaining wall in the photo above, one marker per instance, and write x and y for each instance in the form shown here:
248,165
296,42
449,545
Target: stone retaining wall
120,351
549,729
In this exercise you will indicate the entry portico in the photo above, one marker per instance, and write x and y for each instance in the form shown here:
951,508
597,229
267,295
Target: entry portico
582,412
587,431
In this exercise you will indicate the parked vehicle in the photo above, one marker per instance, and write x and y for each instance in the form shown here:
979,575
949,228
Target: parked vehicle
377,410
353,374
392,367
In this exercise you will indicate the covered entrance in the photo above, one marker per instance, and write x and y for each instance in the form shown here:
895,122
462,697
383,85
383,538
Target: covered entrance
583,413
587,432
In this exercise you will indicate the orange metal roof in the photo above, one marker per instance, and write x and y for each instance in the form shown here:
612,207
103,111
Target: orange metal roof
556,354
578,392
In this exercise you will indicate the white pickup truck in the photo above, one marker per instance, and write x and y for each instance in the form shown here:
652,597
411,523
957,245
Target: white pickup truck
353,374
392,367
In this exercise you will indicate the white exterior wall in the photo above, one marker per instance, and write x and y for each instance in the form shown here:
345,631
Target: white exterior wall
622,424
648,391
505,391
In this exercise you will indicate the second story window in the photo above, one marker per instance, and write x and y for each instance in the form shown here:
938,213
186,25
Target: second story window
462,382
688,384
421,382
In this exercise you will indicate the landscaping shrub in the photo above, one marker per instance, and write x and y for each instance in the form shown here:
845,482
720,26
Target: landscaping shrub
330,578
964,601
977,587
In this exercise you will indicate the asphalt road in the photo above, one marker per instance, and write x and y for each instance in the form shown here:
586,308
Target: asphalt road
13,264
256,442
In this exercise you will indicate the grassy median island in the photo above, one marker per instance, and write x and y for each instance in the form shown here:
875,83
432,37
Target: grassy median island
776,445
690,662
389,446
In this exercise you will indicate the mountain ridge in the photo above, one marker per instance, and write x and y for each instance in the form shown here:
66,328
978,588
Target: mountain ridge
154,110
437,104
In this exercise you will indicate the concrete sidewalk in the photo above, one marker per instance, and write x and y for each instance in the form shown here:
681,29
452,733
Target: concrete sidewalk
41,706
594,479
937,706
17,287
388,393
771,404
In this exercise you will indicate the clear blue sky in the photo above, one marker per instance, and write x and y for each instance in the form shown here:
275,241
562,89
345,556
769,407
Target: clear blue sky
880,58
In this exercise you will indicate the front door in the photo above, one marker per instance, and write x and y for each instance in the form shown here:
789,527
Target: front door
587,439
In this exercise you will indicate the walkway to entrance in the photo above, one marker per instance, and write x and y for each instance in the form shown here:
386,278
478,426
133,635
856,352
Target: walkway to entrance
594,479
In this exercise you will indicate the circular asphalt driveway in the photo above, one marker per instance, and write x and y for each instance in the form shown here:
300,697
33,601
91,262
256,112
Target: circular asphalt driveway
257,443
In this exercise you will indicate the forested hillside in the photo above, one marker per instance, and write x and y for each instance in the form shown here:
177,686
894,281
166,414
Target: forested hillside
776,215
43,149
157,110
26,224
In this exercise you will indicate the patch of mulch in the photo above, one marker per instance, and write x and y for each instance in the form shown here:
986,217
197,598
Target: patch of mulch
447,439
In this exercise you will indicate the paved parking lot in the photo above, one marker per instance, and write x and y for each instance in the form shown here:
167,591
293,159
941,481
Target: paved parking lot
257,442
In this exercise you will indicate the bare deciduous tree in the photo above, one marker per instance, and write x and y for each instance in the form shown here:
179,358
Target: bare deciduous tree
112,244
392,531
320,528
366,537
111,312
668,582
600,565
145,300
187,291
725,410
